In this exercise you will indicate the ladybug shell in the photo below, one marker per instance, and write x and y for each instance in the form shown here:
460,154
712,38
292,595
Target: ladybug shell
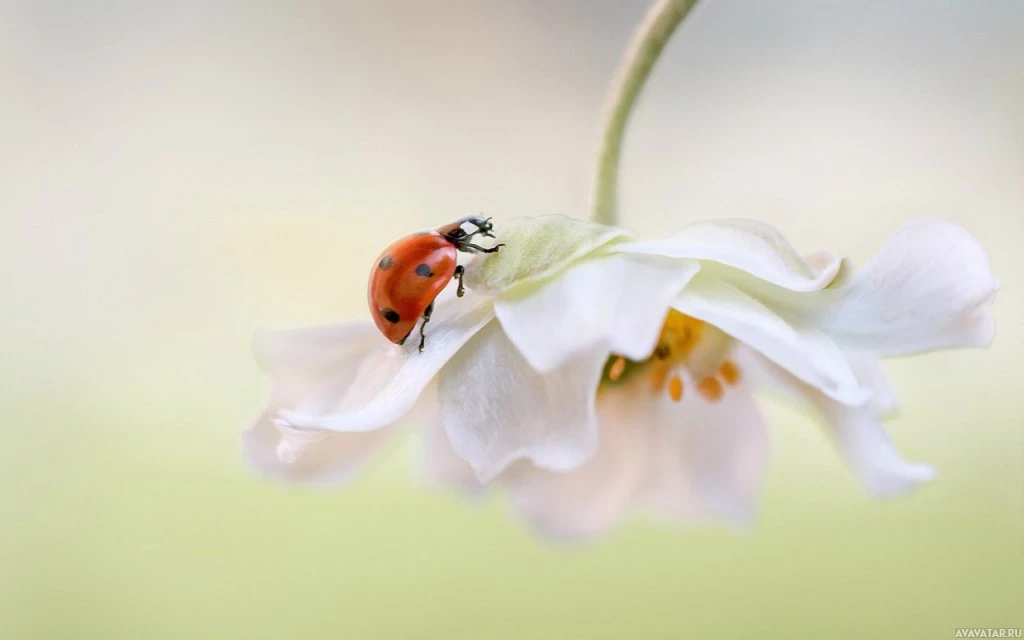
406,278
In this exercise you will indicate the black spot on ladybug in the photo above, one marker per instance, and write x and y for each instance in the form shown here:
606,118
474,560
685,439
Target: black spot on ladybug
390,315
423,270
386,262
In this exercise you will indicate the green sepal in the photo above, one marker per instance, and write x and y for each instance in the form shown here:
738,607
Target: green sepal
537,248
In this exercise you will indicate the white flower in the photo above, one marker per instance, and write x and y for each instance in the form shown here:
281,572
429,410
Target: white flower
590,373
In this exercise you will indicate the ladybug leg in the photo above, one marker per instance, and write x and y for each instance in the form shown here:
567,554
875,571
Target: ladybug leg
478,249
423,325
459,272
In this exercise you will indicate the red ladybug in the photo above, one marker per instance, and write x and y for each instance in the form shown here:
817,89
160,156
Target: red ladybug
414,270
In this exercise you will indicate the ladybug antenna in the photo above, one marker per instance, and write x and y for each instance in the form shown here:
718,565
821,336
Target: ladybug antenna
483,226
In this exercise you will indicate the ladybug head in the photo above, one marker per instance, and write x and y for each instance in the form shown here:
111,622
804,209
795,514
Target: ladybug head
457,234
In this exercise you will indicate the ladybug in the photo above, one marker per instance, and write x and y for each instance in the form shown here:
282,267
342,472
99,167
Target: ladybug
410,274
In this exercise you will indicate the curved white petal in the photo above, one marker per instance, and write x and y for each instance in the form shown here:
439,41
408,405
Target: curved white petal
871,455
299,360
391,378
309,456
616,302
857,432
750,246
589,499
439,462
872,374
308,347
313,368
806,354
927,288
710,456
497,409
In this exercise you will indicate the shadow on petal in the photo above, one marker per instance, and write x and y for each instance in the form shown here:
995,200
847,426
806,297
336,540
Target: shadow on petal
497,409
709,457
592,498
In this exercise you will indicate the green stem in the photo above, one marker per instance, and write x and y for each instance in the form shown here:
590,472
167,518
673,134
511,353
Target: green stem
650,39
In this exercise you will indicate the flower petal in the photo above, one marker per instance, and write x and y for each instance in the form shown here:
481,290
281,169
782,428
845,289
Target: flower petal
747,245
927,288
589,499
710,456
868,450
617,303
497,409
309,456
391,378
439,463
806,354
857,431
311,367
872,375
298,360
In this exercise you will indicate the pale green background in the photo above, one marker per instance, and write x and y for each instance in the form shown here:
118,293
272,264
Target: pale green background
177,174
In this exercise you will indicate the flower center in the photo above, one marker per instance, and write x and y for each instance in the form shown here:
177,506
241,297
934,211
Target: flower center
689,351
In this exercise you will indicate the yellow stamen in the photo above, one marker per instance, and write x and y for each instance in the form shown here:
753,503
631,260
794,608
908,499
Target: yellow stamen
685,344
675,388
617,369
729,372
710,388
679,335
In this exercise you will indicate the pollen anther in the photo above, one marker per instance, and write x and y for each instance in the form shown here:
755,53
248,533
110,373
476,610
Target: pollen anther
686,346
675,388
710,388
729,372
617,369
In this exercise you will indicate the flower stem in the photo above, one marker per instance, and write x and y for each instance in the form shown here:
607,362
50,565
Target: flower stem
651,37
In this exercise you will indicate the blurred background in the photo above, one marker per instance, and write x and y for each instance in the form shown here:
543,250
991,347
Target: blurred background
174,175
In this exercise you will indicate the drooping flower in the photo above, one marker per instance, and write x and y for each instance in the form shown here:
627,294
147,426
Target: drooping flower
591,373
